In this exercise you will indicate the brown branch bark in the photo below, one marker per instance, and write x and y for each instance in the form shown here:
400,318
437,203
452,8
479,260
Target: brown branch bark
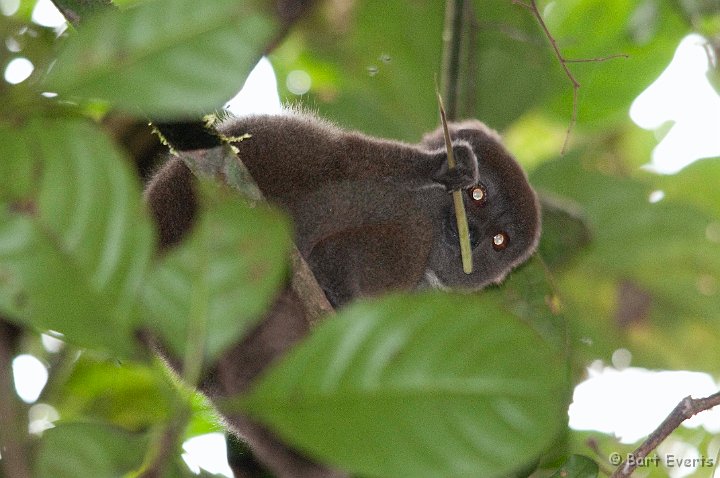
15,459
458,77
687,408
213,163
452,52
469,69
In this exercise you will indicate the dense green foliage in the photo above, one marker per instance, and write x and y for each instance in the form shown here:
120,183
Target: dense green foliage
408,385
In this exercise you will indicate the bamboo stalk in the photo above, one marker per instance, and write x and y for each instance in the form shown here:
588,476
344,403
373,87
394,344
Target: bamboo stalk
460,216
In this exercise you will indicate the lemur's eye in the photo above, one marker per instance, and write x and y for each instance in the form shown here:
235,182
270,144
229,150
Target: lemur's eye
478,194
500,241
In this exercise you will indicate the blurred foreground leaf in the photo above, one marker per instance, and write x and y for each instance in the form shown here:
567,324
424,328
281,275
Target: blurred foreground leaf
164,58
424,385
75,238
649,280
130,395
211,288
81,449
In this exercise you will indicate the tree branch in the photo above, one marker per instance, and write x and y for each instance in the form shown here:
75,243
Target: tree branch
452,51
220,162
687,408
469,68
14,460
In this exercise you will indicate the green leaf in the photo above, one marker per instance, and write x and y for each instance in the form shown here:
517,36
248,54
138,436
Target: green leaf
527,294
204,418
426,385
516,67
696,184
662,255
577,466
18,166
565,231
73,253
164,58
81,449
208,291
131,395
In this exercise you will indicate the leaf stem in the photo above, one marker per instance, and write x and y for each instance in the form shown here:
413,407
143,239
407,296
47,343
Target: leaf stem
166,440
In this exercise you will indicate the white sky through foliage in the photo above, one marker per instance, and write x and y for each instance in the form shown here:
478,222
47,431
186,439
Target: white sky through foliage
683,97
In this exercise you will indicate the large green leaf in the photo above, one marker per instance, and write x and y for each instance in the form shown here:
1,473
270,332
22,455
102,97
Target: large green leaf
649,279
81,449
165,57
426,385
76,242
209,290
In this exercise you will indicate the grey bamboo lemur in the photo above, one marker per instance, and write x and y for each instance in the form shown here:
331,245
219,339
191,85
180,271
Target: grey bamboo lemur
370,215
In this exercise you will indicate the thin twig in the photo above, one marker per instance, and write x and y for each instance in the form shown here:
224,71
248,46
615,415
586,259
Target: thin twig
597,60
532,6
522,4
687,408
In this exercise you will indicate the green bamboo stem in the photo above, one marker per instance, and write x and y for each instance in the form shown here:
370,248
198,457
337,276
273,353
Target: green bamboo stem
460,216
